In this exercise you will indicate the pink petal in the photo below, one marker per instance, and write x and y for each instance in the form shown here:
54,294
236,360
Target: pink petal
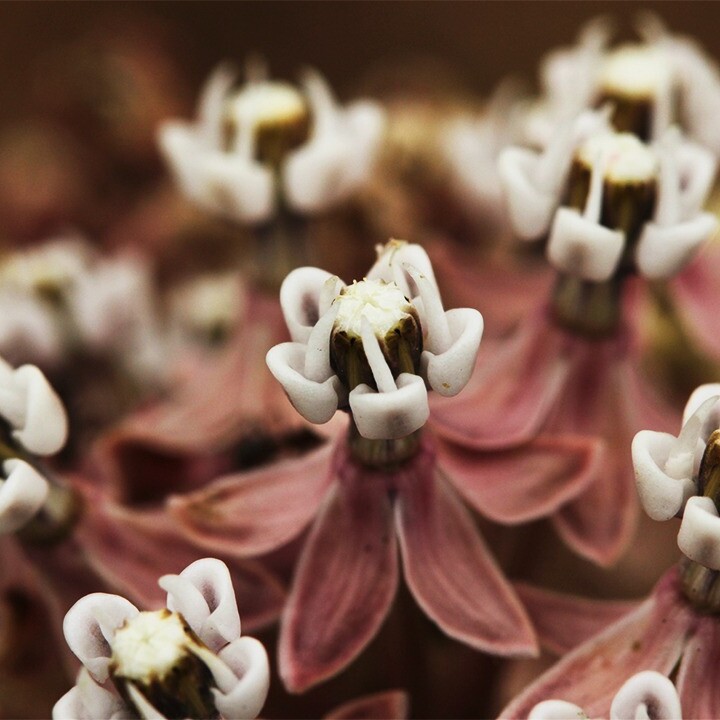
390,705
652,637
697,678
695,295
505,293
606,397
252,513
530,482
564,621
131,550
345,580
515,385
450,571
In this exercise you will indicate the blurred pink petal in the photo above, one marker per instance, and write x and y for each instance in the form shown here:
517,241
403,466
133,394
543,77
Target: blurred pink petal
225,400
564,621
695,294
697,677
505,292
390,705
530,482
344,583
652,637
605,397
130,549
513,389
255,512
450,571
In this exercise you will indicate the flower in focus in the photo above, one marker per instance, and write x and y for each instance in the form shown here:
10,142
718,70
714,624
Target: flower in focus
613,208
187,660
374,348
651,85
646,695
269,140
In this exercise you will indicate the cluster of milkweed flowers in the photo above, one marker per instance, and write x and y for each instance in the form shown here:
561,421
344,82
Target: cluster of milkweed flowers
414,464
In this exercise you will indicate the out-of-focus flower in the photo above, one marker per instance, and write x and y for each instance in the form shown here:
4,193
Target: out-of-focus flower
371,348
646,695
573,366
35,422
187,660
269,144
665,79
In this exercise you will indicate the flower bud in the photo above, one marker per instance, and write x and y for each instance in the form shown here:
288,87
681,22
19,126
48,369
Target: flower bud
394,322
275,115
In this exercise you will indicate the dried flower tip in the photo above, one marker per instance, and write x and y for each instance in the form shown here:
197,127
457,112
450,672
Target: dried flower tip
381,307
156,654
274,114
628,161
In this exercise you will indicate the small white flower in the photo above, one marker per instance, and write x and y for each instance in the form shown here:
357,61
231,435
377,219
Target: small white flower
373,346
195,640
645,695
229,179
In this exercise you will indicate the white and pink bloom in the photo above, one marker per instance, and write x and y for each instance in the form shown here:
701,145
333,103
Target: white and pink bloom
187,660
375,348
268,140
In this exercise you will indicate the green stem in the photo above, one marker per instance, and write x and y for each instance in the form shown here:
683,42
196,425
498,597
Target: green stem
382,454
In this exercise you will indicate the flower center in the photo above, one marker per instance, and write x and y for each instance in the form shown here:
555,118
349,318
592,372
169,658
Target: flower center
275,115
382,303
155,655
380,308
637,80
627,159
638,71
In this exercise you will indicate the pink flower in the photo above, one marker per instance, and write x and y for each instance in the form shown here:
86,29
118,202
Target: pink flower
664,634
383,484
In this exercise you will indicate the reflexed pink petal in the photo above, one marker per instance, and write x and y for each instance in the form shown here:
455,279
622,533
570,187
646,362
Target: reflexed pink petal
130,550
697,678
390,705
522,484
605,397
450,571
504,293
564,621
251,513
695,291
344,583
228,398
652,637
513,389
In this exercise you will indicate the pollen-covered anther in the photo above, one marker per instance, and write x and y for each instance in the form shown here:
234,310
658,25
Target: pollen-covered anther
275,116
157,656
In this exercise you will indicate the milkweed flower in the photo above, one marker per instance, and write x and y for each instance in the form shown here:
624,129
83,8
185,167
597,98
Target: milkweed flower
652,84
676,631
186,660
613,208
374,349
269,143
